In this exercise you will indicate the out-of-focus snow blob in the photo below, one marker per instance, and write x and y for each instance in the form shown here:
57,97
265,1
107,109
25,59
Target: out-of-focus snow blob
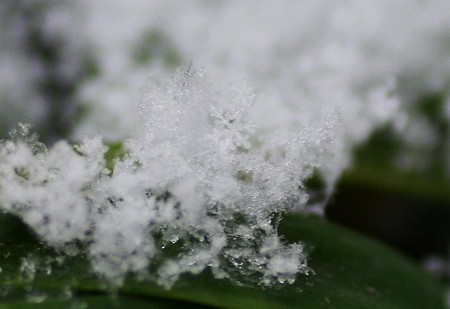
370,60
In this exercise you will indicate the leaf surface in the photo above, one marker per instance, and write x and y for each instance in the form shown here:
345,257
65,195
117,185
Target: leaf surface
350,271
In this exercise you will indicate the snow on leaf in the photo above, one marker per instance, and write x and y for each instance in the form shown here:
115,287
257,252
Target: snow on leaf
197,180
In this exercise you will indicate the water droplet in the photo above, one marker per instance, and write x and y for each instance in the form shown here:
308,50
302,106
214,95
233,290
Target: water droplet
71,250
28,269
66,293
291,280
48,269
36,297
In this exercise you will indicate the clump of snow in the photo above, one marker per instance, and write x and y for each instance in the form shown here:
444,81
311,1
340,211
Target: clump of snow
48,189
201,179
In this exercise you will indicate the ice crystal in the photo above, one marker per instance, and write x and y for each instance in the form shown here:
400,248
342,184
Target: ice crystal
201,186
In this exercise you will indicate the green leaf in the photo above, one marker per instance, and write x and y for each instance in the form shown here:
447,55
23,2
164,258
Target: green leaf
115,151
350,271
407,183
97,302
379,162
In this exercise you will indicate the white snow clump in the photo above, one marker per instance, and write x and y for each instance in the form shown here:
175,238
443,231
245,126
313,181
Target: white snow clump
201,186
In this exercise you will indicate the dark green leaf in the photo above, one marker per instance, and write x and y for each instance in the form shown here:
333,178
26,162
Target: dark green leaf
350,271
408,183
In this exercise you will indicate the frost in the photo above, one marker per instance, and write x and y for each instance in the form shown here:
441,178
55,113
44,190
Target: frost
203,185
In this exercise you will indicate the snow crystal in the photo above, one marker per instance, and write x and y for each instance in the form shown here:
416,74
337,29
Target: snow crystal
201,179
